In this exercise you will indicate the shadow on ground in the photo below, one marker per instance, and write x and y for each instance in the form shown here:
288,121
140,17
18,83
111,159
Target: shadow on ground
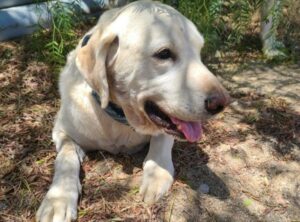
267,99
115,178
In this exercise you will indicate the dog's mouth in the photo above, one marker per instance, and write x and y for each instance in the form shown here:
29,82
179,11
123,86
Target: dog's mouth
191,131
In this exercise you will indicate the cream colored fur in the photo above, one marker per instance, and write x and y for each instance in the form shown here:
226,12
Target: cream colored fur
118,63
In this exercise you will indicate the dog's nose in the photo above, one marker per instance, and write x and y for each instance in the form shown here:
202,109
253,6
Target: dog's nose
215,103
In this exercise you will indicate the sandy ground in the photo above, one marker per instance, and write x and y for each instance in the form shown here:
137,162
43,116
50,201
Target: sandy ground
246,168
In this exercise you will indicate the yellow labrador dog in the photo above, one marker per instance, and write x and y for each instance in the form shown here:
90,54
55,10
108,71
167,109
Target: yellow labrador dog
136,77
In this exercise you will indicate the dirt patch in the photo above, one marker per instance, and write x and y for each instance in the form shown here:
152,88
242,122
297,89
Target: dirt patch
246,168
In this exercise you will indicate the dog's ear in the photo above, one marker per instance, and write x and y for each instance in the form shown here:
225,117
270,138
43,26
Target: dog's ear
91,61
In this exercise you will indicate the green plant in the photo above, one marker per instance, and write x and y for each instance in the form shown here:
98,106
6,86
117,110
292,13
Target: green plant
63,22
226,23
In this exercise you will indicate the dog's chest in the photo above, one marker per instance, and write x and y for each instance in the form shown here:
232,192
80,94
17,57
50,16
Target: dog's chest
104,133
92,128
123,140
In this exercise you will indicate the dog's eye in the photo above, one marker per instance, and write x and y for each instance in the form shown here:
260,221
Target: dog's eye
164,54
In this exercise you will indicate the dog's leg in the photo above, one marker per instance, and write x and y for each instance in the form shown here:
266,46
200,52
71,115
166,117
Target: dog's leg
271,47
158,168
60,202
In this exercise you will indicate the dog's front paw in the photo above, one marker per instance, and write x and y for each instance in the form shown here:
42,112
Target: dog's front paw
59,204
156,181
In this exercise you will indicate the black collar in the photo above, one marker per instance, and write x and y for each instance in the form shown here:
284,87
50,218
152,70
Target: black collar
113,110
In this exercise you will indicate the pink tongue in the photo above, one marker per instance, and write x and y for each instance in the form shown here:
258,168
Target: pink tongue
191,130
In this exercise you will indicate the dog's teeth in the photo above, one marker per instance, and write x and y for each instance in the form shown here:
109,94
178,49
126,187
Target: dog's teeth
179,127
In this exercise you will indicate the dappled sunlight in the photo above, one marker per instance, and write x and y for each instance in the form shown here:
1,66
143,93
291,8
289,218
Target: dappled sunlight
246,167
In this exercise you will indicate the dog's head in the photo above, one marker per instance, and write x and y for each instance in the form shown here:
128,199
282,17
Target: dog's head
145,57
